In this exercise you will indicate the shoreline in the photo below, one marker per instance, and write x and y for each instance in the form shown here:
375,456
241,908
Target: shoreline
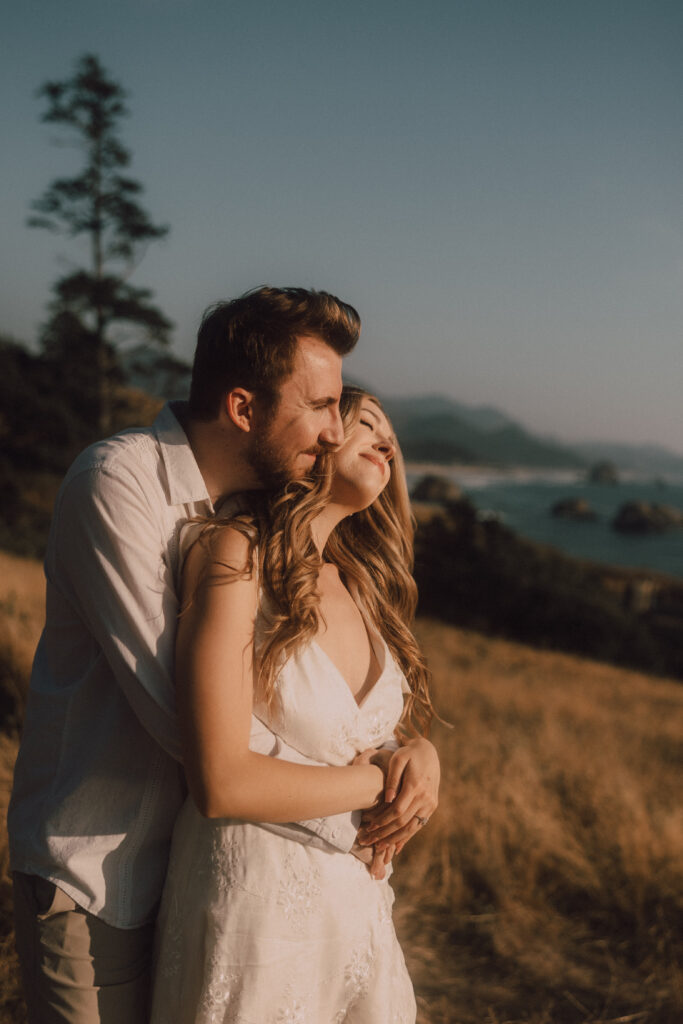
478,475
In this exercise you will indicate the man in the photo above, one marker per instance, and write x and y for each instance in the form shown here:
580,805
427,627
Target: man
98,781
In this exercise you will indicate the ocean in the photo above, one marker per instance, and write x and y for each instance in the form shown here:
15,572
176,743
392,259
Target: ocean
522,499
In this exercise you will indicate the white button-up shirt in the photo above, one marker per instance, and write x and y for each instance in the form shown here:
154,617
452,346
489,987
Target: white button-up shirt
98,783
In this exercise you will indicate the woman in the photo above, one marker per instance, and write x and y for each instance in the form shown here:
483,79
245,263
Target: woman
315,592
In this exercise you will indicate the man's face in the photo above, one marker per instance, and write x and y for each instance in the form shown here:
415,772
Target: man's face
306,420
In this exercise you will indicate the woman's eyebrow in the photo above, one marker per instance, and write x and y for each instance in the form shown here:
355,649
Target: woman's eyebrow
366,410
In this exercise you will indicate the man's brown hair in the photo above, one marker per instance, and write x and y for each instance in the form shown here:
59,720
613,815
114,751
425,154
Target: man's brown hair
250,342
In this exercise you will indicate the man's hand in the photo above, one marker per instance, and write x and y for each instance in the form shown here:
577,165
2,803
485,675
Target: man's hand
411,794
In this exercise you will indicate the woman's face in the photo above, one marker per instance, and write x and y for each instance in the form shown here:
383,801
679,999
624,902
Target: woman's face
362,464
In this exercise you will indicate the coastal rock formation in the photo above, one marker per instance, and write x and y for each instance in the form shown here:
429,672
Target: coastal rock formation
576,509
643,517
603,472
480,575
437,489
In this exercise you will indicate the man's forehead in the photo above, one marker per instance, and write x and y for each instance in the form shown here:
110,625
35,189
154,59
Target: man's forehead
311,348
316,369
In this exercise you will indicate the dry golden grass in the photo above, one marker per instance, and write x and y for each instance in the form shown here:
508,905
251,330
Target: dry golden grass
548,889
12,1009
22,604
22,611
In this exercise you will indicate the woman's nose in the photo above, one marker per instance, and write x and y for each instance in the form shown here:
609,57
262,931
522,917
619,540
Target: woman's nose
385,447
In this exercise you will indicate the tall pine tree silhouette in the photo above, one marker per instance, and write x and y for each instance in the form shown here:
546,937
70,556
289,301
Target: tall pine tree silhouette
94,308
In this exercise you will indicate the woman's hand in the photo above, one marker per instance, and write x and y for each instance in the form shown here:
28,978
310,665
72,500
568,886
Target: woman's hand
376,860
411,794
381,758
380,860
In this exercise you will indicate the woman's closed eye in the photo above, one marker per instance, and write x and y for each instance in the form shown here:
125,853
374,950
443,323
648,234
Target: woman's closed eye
380,440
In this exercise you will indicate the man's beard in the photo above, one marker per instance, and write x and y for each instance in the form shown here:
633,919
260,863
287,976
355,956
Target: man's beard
270,465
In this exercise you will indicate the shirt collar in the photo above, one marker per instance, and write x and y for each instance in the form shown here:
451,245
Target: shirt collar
185,482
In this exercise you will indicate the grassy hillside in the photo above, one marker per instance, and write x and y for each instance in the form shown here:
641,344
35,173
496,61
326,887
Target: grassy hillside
21,617
548,888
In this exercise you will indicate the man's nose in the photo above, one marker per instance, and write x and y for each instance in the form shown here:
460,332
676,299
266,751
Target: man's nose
333,431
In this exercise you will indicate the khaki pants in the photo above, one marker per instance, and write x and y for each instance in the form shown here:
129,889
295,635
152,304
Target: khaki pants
76,969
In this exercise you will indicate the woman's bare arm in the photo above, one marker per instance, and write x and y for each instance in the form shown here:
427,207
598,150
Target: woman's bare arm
214,680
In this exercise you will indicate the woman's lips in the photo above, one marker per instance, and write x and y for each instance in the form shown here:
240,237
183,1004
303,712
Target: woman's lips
380,463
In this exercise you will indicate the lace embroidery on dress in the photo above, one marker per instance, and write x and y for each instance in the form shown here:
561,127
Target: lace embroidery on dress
221,987
384,909
344,740
298,893
295,1013
224,862
378,727
359,972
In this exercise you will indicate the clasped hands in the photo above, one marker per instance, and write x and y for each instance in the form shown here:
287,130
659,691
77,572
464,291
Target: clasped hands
411,795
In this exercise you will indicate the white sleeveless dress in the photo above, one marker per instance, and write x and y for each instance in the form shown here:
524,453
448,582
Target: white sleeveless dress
255,928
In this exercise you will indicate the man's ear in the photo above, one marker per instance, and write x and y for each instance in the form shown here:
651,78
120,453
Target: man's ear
239,408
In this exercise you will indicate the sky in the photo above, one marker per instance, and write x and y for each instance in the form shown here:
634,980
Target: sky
496,185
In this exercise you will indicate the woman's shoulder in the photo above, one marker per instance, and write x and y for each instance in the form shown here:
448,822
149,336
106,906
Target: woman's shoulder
218,552
222,543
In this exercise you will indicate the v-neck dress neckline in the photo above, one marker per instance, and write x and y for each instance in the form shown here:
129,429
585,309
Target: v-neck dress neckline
378,649
314,710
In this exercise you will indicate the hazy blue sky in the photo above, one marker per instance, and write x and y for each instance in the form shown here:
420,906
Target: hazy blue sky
497,186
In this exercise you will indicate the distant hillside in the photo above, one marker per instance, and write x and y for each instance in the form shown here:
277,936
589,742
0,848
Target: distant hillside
481,417
441,430
648,459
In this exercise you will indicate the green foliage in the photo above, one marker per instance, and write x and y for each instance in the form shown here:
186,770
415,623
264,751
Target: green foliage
47,417
39,426
93,305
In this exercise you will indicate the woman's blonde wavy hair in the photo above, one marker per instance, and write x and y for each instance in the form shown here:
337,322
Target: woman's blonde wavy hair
373,550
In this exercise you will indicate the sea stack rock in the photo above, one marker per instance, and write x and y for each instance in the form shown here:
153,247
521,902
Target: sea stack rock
603,472
642,517
576,509
438,490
